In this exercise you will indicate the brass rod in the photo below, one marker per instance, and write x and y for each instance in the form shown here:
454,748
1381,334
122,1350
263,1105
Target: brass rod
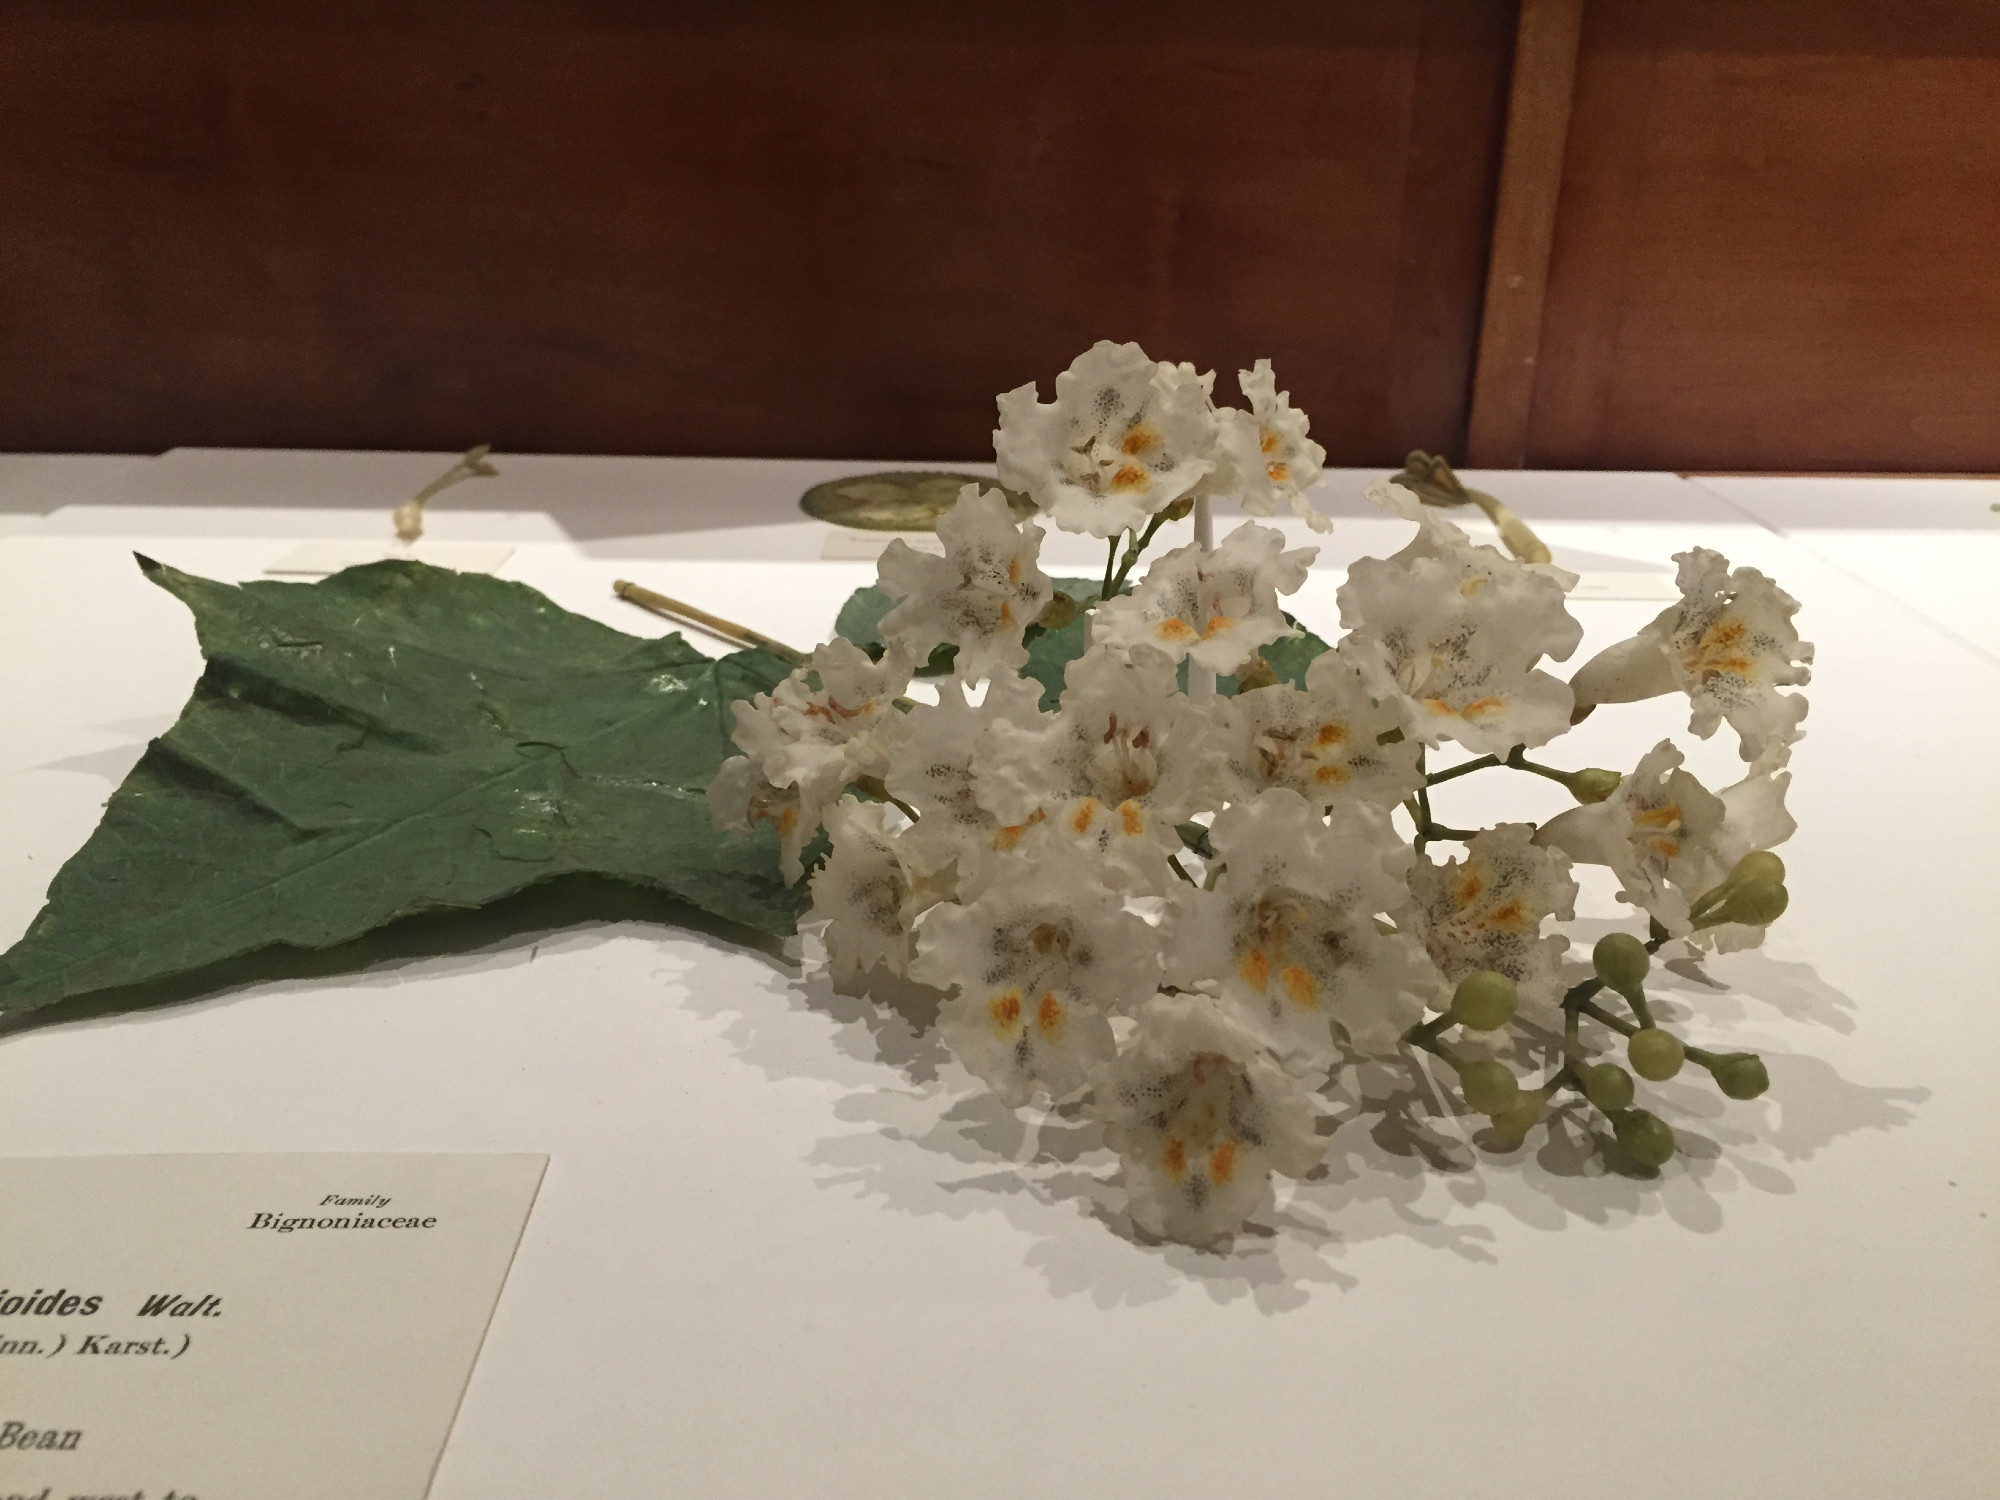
738,635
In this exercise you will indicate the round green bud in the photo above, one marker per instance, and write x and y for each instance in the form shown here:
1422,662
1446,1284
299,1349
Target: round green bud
1655,1055
1621,961
1592,783
1518,1118
1645,1137
1608,1086
1484,1001
1489,1087
1058,612
1756,902
1761,866
1741,1075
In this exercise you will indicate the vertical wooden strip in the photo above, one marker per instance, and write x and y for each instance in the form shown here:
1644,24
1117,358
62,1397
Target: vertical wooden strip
1510,331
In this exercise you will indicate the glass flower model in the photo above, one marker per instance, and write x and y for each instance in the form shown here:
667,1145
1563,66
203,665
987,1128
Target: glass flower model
1181,912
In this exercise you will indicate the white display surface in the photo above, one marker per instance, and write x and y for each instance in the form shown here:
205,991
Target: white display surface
785,1246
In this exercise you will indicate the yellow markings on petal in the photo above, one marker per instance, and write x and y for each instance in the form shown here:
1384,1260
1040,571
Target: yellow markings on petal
1132,817
1130,479
1006,613
1278,473
788,820
1481,706
1139,438
1006,1011
1471,586
1050,1015
1720,650
1013,570
1222,1163
1300,987
1255,967
1441,708
1667,817
1217,624
1465,890
1330,734
1267,440
1174,1158
1008,837
1513,915
1334,774
1173,628
1084,816
1665,847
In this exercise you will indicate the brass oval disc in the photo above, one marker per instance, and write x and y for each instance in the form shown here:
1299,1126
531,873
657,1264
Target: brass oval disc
900,500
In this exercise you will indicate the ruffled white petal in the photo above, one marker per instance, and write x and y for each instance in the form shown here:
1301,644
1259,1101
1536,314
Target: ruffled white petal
979,597
1462,628
1324,741
1200,1117
1037,963
1214,607
1487,911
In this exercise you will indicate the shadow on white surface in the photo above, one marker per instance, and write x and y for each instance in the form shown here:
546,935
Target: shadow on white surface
929,1140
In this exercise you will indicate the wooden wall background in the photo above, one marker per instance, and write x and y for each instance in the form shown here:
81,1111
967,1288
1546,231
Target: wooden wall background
786,228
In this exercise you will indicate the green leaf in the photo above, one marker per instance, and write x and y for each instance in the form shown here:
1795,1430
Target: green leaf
1289,658
860,621
397,739
860,618
1051,651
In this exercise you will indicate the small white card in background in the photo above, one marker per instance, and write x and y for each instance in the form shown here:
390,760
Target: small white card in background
1619,583
847,544
241,1327
318,559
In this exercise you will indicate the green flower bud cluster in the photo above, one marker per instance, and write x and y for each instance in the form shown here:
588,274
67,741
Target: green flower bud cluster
1486,1001
1753,893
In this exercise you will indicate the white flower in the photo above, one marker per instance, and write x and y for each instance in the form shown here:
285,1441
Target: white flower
1462,627
1200,1118
1271,461
980,596
821,738
1487,911
1288,931
1729,645
1214,607
1658,832
1125,759
1324,741
739,798
932,771
1124,438
1754,817
866,893
1038,961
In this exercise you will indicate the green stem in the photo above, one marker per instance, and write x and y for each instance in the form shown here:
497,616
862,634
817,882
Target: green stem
1520,762
1465,770
1426,1033
1110,562
1134,552
1598,1013
1180,869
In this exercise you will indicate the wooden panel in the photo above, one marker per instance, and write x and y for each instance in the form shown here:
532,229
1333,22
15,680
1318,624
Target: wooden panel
761,228
1778,240
1524,226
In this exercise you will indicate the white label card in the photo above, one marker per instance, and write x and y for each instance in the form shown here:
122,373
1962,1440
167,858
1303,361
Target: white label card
241,1327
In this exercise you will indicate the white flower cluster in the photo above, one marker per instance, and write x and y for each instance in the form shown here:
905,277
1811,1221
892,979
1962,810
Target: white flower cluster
1177,915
